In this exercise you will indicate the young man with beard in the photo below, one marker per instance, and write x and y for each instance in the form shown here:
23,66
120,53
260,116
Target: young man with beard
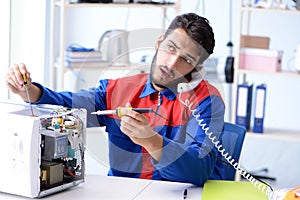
171,143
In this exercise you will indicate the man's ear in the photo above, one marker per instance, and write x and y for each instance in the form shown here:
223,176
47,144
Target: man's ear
159,41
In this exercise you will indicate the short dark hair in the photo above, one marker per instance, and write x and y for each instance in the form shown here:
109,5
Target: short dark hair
198,28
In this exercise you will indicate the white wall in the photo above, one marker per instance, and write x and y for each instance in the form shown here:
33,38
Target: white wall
4,41
27,44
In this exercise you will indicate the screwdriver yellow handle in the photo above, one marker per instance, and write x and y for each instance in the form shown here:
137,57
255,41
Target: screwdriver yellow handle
139,110
25,79
119,111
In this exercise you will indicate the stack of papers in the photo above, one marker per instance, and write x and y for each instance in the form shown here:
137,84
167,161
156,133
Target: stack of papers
83,57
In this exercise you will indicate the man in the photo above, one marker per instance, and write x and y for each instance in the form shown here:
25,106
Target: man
172,142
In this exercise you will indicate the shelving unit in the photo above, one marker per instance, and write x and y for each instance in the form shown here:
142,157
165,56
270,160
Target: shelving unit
274,148
57,61
244,29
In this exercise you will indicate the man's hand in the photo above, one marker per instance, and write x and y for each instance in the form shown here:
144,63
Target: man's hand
14,78
136,126
15,82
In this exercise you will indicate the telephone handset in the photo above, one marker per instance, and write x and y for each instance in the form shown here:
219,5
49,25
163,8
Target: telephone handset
197,77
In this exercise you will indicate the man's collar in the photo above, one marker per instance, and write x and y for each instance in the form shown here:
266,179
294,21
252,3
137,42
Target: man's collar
149,89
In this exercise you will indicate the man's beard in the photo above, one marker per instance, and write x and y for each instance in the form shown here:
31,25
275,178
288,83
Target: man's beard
172,84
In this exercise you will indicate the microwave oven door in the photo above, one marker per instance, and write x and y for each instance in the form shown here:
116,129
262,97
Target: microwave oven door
20,155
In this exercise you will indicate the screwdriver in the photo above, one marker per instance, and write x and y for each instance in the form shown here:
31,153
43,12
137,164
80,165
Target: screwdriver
27,93
119,113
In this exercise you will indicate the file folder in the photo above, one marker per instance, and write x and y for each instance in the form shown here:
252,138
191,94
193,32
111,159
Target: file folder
259,112
231,190
244,103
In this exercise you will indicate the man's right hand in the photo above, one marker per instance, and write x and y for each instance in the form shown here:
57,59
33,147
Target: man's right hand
15,82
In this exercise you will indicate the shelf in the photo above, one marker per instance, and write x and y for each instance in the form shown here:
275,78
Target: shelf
278,134
274,149
106,66
116,5
57,41
247,20
282,73
253,9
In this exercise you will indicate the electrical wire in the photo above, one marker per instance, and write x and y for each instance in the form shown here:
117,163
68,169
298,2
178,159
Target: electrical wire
126,20
230,44
203,7
71,68
197,6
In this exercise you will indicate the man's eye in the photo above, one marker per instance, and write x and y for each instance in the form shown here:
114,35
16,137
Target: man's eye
171,48
188,60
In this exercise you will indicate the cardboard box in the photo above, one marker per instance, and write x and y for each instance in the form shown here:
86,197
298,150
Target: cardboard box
260,59
259,42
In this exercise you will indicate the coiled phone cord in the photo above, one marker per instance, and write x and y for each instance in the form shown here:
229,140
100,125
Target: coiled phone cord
261,185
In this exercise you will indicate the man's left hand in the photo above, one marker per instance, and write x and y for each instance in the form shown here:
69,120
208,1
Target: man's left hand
136,126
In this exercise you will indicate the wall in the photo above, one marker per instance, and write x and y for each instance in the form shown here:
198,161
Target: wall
4,41
27,36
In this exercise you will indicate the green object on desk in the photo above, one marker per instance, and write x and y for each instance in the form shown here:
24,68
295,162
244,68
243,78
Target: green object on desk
231,190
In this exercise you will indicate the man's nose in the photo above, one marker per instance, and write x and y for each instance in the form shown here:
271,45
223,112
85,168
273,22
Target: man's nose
173,61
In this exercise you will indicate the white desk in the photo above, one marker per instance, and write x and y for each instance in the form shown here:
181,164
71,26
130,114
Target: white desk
104,187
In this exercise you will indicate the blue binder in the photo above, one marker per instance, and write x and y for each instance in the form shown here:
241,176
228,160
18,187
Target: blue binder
259,112
244,103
